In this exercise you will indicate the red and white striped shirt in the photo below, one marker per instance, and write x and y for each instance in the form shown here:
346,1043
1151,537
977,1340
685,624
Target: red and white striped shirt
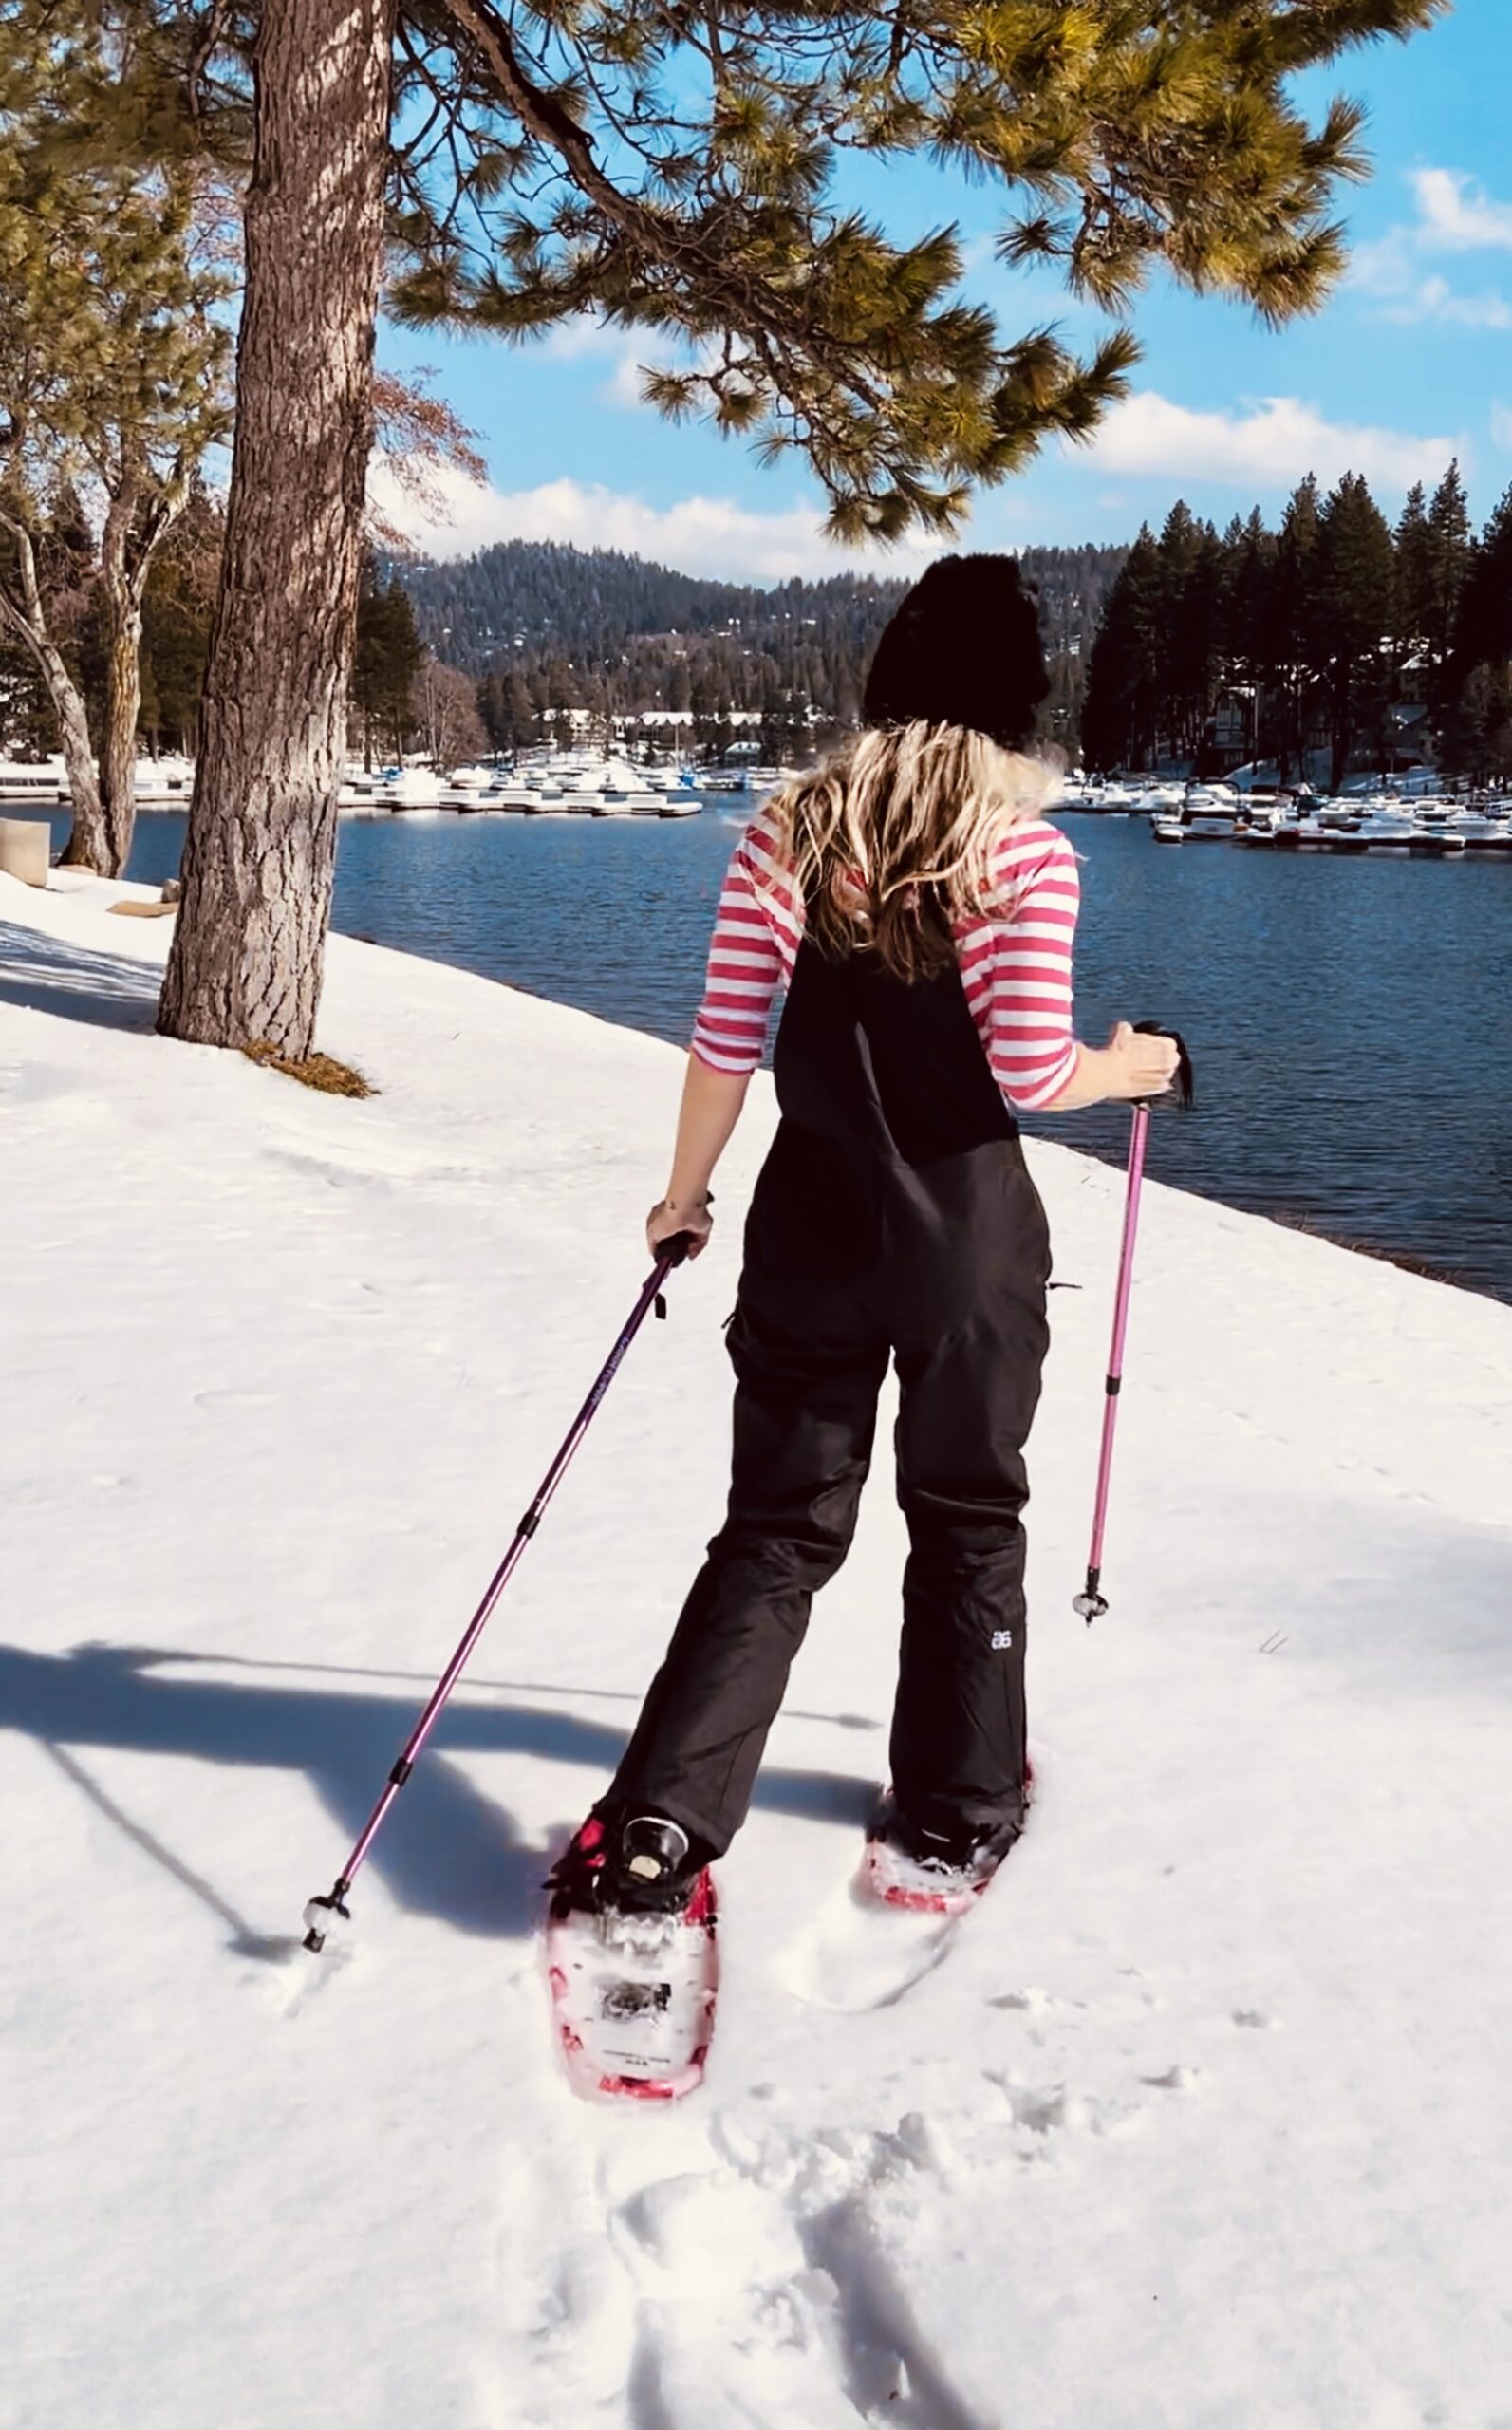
1015,960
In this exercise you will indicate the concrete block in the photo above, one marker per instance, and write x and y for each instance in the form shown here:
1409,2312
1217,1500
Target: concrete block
25,846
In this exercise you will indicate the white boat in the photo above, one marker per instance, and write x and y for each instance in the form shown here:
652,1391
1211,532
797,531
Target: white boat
362,794
1111,798
576,784
1487,827
409,789
1208,813
1260,818
1387,827
1436,832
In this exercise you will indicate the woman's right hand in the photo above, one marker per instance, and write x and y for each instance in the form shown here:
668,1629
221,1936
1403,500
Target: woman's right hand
1140,1065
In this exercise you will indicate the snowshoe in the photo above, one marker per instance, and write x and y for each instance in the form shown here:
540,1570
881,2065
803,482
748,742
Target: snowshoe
632,1957
937,1873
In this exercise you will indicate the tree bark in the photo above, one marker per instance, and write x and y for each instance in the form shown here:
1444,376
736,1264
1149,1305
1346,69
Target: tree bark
141,512
88,845
248,947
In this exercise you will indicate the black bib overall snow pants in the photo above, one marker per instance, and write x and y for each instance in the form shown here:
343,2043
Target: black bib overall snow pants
893,1217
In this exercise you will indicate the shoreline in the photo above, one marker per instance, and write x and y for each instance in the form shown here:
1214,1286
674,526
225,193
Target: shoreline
1402,1260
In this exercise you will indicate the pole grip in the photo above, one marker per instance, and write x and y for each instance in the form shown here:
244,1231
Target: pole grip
1183,1095
674,1250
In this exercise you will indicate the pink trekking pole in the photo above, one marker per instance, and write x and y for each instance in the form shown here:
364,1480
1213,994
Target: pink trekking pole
1090,1603
322,1913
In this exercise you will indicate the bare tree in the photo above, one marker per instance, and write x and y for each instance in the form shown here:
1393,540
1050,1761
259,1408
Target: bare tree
447,712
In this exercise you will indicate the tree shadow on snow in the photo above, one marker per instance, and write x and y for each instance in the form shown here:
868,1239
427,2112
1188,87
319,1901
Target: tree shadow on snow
47,975
446,1851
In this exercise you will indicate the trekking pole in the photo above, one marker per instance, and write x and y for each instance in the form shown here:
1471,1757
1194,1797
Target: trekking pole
322,1913
1090,1604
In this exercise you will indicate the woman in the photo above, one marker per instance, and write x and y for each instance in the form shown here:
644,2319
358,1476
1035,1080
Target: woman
923,915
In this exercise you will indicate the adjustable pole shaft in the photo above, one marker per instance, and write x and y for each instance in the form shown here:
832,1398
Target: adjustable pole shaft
335,1902
1090,1603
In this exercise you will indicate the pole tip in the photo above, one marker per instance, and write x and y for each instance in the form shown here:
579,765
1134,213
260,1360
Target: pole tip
321,1915
1088,1607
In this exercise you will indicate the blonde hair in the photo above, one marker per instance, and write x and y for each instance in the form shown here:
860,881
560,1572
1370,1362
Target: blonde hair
892,839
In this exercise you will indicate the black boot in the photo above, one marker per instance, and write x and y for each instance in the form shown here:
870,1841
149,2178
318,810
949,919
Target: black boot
629,1861
910,1865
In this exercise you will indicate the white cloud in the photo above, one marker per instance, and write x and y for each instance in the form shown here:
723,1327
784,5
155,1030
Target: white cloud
1454,216
1433,299
1267,444
629,354
707,536
570,341
1457,216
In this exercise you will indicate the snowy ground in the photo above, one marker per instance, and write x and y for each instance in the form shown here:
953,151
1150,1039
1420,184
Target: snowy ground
1200,2120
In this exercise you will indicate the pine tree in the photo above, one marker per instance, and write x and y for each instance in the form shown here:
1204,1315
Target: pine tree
677,170
1291,640
1483,626
1250,623
1125,685
388,657
1476,734
1353,615
504,704
1446,560
177,605
1414,584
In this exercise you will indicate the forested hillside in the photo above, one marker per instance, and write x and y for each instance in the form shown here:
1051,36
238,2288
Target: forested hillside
1334,641
546,628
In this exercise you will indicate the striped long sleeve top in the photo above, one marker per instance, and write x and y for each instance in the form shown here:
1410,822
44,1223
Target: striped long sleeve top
1015,962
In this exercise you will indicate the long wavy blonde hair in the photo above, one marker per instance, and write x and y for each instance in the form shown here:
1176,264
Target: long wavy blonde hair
892,839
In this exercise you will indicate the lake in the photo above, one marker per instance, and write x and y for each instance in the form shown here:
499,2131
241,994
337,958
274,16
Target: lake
1348,1018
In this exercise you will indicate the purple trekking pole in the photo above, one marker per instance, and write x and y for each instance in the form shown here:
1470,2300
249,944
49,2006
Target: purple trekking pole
323,1912
1090,1603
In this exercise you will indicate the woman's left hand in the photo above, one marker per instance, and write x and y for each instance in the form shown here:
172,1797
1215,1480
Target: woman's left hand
665,1222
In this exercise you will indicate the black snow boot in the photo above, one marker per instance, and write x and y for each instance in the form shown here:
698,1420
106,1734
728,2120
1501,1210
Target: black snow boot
912,1866
629,1861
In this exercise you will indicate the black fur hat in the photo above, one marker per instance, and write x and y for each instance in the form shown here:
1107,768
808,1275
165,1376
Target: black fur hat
962,648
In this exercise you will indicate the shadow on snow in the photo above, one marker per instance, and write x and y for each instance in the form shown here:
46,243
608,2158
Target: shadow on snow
446,1850
47,975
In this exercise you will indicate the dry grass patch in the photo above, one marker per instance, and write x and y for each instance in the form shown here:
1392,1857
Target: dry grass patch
320,1071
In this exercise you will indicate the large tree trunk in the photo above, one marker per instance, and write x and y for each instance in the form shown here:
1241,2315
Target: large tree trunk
26,618
248,953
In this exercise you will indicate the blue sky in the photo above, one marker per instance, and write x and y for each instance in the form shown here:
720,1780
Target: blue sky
1411,363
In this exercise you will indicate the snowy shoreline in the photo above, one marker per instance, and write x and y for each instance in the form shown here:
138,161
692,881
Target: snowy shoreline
1197,2123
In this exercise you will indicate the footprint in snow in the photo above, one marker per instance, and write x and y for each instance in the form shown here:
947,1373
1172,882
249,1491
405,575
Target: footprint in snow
858,1956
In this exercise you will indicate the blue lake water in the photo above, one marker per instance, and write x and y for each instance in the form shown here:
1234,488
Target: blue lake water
1349,1019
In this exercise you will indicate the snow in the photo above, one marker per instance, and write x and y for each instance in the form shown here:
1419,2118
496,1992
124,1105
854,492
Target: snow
1198,2121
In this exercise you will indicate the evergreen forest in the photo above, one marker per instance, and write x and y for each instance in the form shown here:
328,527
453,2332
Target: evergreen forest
548,628
1333,641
